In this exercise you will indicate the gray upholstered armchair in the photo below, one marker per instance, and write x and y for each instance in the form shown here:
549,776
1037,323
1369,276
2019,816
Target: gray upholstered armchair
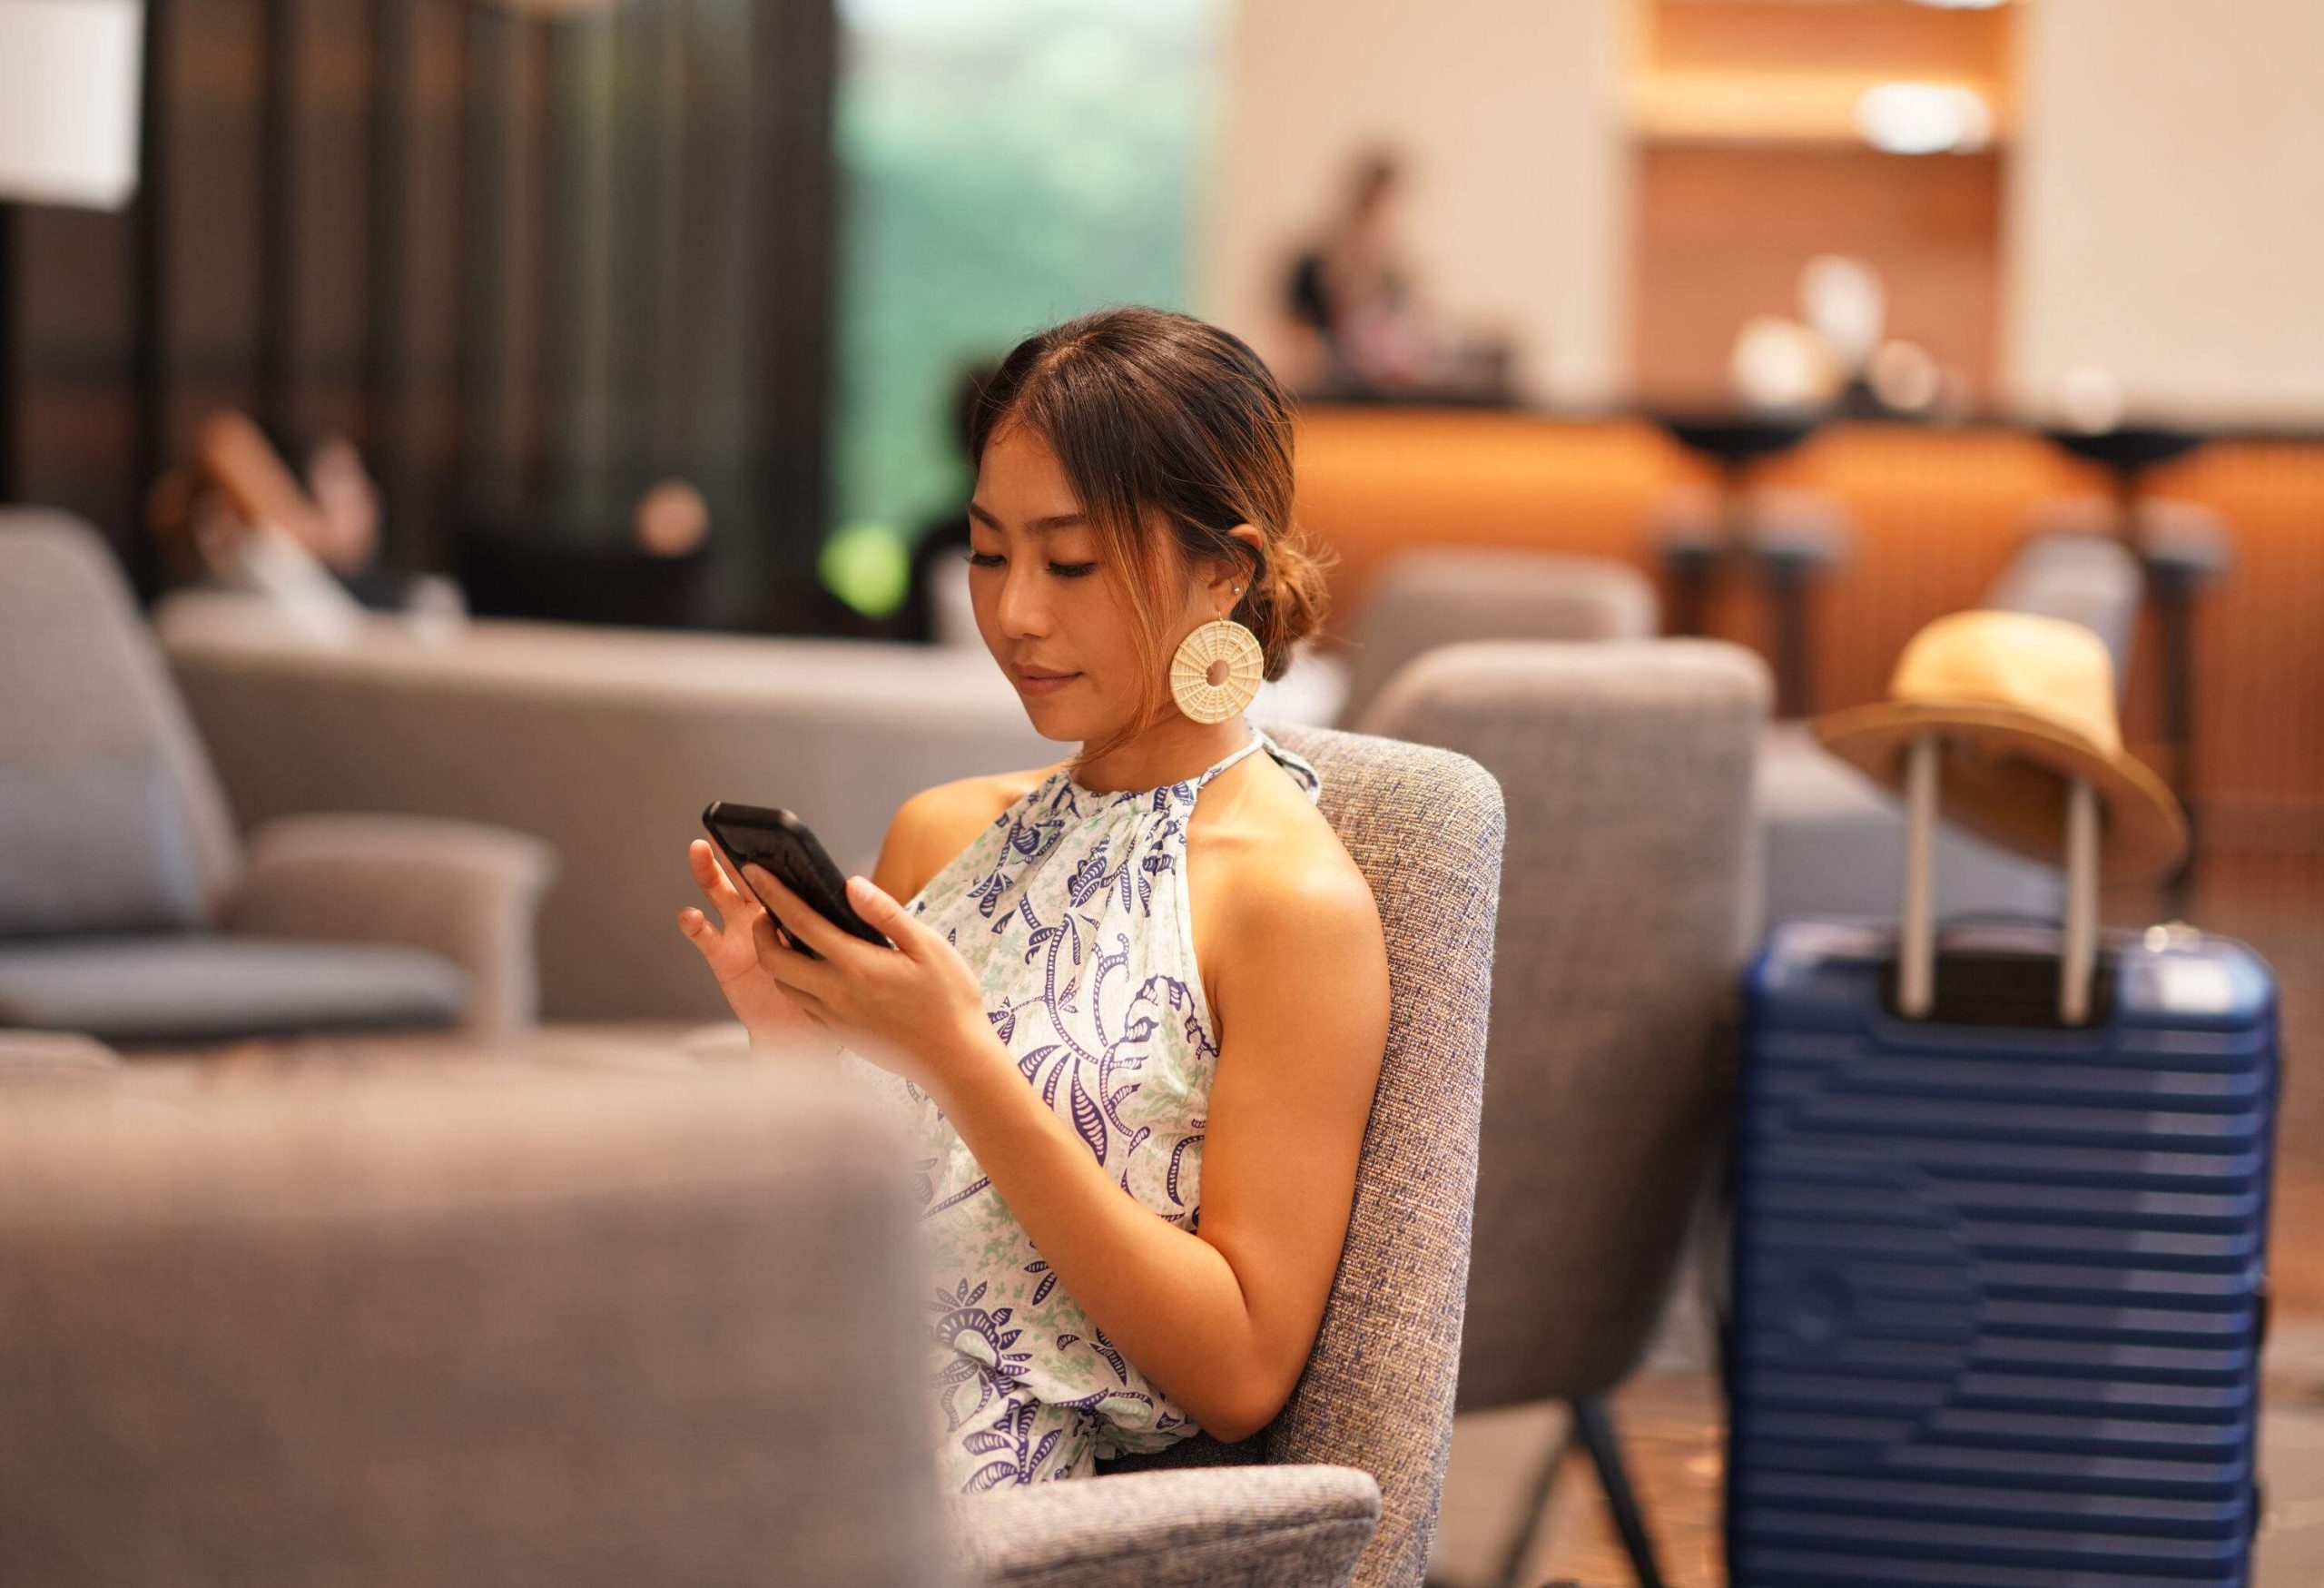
1370,1424
129,909
1627,773
1448,594
392,1327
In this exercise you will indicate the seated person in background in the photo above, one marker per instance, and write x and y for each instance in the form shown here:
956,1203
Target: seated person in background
1139,1000
238,515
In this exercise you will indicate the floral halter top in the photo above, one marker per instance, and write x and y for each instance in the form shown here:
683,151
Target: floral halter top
1072,909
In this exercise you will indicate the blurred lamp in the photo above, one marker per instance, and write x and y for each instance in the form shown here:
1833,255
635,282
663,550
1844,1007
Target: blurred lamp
1922,118
68,101
1843,298
1779,366
2089,398
69,94
1906,377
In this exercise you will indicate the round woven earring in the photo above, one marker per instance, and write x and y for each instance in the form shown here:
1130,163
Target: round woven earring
1216,671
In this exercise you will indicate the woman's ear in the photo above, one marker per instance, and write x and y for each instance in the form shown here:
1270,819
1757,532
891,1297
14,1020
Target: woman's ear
1231,576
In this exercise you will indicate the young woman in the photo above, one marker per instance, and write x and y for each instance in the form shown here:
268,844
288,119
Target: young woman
1137,1006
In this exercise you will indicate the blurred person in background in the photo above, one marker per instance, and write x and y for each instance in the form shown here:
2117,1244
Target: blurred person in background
1359,318
1138,1001
238,514
1359,327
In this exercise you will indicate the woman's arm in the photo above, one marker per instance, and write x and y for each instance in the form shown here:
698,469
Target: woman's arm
1221,1321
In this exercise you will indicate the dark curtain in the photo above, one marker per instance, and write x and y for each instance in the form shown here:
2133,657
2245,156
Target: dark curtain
528,266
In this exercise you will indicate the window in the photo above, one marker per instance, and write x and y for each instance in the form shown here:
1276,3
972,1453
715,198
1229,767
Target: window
1005,164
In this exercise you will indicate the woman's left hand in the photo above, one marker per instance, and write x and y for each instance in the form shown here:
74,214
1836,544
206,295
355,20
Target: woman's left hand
915,1009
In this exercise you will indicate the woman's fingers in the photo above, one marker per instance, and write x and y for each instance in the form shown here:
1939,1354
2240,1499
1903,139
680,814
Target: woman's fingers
698,931
804,979
763,938
711,877
883,914
806,982
802,922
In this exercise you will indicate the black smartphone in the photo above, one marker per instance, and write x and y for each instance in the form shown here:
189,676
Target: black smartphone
782,843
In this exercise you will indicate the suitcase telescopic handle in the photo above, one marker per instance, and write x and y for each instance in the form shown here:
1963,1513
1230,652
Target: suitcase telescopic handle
1916,946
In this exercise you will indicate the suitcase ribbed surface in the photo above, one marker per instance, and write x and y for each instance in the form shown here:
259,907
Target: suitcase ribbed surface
1998,1291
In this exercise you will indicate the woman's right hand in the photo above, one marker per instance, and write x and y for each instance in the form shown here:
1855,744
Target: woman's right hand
732,948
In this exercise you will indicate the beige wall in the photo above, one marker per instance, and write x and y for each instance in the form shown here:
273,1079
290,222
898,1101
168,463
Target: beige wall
1508,112
2167,218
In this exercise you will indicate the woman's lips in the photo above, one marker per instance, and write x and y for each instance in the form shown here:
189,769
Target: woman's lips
1043,683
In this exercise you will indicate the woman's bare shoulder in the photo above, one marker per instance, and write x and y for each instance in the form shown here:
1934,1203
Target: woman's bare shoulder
1290,868
1298,947
935,825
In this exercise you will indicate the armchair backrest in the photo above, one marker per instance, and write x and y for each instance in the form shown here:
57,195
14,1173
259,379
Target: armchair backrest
110,818
1627,772
1424,826
421,1330
2086,578
1446,595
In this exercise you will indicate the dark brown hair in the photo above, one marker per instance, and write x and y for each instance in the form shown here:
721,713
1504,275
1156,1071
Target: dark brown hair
1160,420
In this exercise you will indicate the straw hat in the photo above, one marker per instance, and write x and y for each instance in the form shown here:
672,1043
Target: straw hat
2021,701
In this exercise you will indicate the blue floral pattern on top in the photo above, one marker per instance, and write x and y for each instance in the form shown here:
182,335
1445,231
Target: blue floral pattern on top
1072,909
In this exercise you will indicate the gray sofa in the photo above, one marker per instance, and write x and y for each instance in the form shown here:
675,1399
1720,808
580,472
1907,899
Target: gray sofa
129,906
459,1326
607,743
604,742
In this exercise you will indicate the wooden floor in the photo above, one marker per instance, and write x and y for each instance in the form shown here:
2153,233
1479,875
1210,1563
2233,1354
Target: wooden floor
1670,1418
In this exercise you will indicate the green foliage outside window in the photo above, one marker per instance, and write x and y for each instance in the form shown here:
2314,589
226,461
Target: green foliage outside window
1005,164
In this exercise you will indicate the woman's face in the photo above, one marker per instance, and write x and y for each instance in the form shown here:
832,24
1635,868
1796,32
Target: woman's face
1058,622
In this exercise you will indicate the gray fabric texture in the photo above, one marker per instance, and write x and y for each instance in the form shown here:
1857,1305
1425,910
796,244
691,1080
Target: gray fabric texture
1446,595
200,987
109,816
1627,769
463,891
95,845
2090,579
1277,1528
1833,844
1425,827
606,742
410,1332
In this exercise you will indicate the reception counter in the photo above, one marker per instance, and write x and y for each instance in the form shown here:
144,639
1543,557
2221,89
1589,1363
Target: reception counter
1938,513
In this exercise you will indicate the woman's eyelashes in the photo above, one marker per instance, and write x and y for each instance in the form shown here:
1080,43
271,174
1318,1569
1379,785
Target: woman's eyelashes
1063,570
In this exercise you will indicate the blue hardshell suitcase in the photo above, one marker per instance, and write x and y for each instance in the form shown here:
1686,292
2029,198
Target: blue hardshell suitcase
2001,1209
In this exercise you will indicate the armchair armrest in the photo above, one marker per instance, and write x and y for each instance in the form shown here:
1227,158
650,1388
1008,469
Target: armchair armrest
459,889
1220,1527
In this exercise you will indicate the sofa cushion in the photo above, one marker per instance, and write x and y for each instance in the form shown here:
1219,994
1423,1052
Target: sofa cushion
1833,844
94,845
196,987
106,797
